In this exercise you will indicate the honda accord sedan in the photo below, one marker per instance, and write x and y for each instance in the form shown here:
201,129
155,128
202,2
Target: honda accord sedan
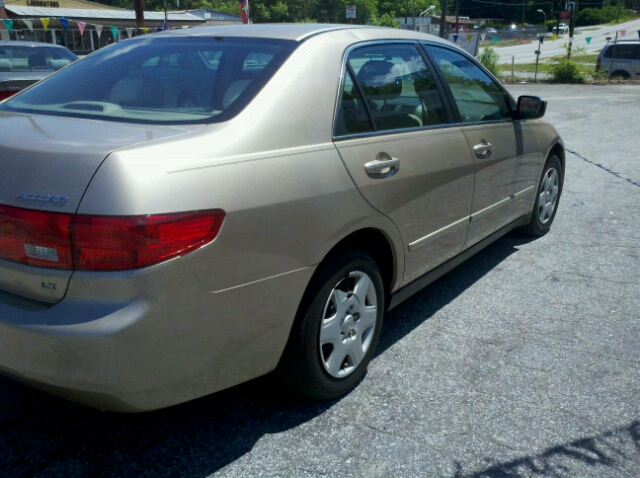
185,211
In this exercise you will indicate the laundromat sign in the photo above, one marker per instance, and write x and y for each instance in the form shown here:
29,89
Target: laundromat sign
43,3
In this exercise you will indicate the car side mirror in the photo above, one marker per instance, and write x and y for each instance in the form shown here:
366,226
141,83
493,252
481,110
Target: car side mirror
530,107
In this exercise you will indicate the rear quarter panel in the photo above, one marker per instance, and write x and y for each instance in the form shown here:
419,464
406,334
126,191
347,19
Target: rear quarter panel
273,169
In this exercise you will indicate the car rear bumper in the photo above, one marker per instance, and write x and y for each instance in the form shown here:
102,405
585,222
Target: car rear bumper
114,345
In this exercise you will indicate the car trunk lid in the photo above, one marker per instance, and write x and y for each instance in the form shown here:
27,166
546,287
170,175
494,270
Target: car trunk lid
46,164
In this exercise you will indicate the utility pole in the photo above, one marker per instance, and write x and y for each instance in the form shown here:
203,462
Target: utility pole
413,14
572,9
443,17
457,10
139,7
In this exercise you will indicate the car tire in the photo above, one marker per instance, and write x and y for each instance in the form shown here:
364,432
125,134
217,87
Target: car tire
547,198
620,75
336,329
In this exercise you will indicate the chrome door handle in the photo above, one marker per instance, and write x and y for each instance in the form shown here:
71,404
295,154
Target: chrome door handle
483,150
379,167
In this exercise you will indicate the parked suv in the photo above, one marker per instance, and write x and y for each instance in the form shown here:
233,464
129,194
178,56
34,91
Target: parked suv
621,59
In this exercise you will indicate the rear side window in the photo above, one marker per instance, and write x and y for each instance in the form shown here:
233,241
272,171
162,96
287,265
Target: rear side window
399,90
476,95
624,52
160,80
352,113
25,58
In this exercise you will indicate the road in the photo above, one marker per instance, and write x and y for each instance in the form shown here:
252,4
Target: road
526,53
522,362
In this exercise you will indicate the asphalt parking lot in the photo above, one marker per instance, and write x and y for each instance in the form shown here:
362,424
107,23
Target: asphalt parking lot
522,362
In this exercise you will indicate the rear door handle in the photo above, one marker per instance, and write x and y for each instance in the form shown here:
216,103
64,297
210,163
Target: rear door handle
483,150
383,167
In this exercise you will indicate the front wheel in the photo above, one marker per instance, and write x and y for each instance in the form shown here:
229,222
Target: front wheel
337,328
547,198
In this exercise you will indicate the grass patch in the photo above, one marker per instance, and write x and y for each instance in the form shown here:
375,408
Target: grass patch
586,65
586,58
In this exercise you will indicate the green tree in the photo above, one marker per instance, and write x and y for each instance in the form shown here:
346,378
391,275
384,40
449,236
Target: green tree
385,20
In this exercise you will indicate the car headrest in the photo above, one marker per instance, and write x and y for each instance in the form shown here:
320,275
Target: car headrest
137,92
57,64
380,80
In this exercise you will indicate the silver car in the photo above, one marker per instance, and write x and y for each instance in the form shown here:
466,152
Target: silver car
25,63
185,211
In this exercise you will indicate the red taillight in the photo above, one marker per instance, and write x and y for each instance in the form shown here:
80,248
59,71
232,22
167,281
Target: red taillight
130,242
108,243
6,94
35,238
598,64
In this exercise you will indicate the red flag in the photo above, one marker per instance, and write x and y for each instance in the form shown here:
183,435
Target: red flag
244,10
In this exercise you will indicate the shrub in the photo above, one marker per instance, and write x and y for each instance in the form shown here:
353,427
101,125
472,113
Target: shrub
566,71
385,20
597,16
489,58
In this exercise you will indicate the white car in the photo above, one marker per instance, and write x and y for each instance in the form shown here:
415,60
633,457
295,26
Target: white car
561,29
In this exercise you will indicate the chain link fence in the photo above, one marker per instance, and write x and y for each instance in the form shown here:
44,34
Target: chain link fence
79,43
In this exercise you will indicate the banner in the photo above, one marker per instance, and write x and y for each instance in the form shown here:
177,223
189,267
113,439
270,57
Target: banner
495,40
623,33
129,32
29,24
145,30
81,26
9,25
466,43
65,23
588,40
45,23
524,42
554,37
483,35
114,32
99,30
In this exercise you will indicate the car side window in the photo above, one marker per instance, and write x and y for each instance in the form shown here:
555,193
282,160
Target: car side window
399,89
352,114
624,52
476,95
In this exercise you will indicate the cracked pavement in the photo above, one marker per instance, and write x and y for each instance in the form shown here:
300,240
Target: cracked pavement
522,362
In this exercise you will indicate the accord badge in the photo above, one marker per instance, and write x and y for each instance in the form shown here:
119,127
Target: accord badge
42,197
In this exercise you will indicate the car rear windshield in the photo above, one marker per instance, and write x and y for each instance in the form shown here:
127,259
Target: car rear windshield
26,58
160,80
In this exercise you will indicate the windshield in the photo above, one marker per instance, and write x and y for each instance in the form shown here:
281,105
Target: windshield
160,80
27,58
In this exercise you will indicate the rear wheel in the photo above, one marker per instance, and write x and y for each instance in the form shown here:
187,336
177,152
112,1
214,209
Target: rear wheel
337,328
620,75
547,198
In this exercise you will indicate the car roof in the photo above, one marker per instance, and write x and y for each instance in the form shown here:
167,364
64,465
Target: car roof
301,32
28,44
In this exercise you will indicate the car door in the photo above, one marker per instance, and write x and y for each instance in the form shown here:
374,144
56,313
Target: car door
496,144
396,139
